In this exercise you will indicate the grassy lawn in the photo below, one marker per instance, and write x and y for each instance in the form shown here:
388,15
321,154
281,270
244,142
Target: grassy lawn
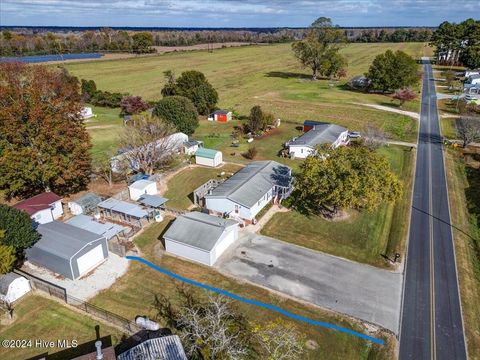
266,75
41,318
364,236
133,294
181,186
448,127
464,197
104,130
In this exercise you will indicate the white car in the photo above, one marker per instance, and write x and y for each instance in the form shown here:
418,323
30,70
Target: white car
147,324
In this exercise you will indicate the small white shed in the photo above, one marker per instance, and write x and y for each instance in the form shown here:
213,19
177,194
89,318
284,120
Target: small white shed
13,287
86,112
200,237
208,157
142,187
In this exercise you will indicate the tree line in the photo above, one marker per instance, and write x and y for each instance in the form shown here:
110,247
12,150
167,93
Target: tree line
17,43
458,44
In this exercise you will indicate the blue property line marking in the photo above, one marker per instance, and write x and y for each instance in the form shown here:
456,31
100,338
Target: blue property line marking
256,303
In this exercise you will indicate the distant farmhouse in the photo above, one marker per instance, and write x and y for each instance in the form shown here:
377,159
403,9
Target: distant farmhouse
42,208
317,133
248,191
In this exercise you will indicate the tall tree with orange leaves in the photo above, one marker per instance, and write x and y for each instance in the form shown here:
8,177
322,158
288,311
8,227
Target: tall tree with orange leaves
43,142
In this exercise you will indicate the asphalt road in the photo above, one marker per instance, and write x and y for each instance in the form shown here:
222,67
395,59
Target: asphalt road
431,325
358,290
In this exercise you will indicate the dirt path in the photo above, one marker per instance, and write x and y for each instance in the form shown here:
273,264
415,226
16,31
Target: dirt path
411,114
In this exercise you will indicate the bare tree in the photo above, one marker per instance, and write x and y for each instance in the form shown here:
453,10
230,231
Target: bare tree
102,168
374,138
469,130
210,327
147,145
280,340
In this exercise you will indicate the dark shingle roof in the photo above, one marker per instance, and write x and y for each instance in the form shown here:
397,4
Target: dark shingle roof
38,202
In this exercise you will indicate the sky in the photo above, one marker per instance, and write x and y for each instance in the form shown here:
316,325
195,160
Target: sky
234,13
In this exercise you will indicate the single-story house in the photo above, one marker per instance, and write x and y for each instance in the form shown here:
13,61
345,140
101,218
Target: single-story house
42,208
165,348
106,229
170,145
13,287
473,79
86,113
220,115
208,157
142,187
85,204
200,237
320,134
190,147
67,250
123,211
248,191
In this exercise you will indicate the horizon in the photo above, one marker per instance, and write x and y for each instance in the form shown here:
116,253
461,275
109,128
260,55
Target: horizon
232,13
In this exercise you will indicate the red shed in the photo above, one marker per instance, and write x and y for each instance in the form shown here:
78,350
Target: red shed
220,115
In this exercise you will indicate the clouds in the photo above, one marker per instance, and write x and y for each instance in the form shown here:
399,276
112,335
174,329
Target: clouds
234,13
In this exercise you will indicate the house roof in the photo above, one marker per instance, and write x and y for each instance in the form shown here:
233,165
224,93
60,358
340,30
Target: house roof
221,112
198,230
474,76
323,133
123,207
206,153
106,229
154,201
141,184
38,202
190,143
312,122
6,280
88,201
63,240
248,185
166,347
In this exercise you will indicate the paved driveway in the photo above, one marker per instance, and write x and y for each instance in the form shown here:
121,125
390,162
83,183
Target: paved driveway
354,289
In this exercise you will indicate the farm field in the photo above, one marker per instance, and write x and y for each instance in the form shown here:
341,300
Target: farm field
41,318
134,293
266,75
363,236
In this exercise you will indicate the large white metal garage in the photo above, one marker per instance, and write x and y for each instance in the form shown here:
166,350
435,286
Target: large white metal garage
68,250
200,237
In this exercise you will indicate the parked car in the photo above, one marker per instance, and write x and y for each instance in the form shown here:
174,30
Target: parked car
147,324
354,135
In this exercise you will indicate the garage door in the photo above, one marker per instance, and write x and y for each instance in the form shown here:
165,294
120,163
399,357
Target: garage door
89,260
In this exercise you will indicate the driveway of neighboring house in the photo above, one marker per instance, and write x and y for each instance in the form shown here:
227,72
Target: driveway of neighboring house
89,285
358,290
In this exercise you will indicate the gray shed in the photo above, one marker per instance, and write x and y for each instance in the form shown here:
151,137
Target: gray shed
85,204
165,348
67,250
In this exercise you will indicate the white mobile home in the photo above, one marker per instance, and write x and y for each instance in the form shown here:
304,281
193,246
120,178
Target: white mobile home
249,190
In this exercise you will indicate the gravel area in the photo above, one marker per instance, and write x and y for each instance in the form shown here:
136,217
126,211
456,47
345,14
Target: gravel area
100,278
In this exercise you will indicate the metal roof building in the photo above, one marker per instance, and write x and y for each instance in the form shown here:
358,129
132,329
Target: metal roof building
123,207
320,134
200,237
154,201
84,204
67,250
252,182
105,229
165,348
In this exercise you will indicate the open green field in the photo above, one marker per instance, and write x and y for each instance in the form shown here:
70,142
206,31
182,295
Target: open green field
266,75
181,186
44,319
134,293
464,197
363,236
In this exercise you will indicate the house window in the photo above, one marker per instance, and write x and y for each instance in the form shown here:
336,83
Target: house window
237,208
